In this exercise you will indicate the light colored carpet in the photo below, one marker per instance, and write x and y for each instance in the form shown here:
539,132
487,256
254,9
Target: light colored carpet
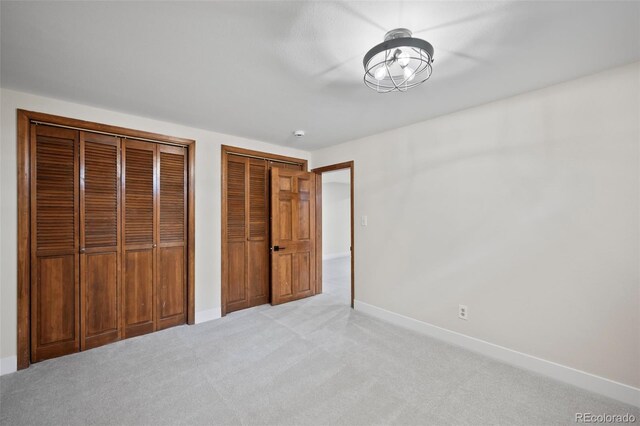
314,361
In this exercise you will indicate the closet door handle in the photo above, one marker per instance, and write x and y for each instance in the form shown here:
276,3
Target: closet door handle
82,250
155,245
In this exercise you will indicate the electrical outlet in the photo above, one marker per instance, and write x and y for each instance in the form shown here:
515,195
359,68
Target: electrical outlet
463,312
363,221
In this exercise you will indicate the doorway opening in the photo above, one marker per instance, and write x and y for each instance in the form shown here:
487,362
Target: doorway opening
337,251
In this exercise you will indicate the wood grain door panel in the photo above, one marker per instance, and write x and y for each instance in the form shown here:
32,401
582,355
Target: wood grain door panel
99,239
56,299
303,273
235,270
54,242
237,297
139,189
173,194
140,218
258,272
100,284
100,190
258,236
293,235
171,299
283,271
171,291
285,220
138,292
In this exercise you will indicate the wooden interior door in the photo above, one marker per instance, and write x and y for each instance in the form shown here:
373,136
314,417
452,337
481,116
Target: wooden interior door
171,302
99,239
139,219
54,242
293,235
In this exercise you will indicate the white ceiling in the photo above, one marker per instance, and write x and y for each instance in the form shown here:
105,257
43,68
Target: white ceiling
263,69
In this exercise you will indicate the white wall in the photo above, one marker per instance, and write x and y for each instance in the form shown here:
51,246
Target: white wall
207,262
524,209
336,218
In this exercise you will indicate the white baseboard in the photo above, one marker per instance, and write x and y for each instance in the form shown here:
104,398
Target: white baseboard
8,365
620,391
208,315
336,255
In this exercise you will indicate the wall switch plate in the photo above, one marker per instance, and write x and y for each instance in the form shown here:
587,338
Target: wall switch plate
363,221
463,312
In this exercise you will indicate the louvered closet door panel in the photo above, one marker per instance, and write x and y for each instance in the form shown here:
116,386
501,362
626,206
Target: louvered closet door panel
237,294
54,242
139,222
258,259
140,184
99,239
172,278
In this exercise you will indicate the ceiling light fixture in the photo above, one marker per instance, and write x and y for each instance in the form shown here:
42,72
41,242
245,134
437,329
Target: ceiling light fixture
399,63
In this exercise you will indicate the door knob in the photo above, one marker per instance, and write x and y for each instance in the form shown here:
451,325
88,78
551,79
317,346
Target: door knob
278,248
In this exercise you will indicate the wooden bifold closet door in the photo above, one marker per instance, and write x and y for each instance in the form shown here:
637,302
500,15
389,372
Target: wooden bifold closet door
246,265
154,237
108,239
247,233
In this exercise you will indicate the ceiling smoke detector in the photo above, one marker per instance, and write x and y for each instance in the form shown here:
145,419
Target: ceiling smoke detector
298,133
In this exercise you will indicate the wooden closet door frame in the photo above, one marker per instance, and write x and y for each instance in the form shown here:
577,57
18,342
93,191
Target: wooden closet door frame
227,150
24,120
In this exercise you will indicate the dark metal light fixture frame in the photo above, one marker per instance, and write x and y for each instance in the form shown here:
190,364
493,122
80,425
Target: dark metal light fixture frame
418,52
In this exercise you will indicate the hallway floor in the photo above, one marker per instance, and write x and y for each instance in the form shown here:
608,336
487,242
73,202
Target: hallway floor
336,279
